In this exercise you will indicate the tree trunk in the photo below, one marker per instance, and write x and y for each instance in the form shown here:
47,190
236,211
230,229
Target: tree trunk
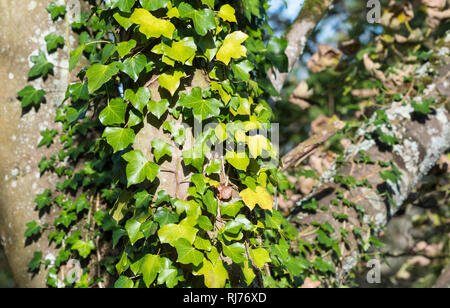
23,26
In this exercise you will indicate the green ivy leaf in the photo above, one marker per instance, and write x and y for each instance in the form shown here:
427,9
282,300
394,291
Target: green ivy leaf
242,70
201,108
215,274
133,66
235,252
140,99
123,264
123,5
231,209
114,113
160,149
30,96
75,56
35,263
124,48
188,254
133,229
164,216
47,137
149,268
41,66
138,168
99,74
124,283
56,11
205,223
153,5
119,138
158,109
182,51
204,20
84,248
260,256
53,42
170,233
33,229
143,199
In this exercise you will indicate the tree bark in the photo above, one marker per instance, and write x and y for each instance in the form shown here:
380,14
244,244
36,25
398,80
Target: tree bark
297,36
23,26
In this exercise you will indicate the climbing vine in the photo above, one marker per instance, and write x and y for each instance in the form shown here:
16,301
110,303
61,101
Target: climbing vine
147,199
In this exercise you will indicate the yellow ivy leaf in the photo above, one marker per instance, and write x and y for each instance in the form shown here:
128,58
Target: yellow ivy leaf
215,274
173,12
211,182
221,132
240,136
232,47
261,197
239,161
228,13
152,26
171,81
256,145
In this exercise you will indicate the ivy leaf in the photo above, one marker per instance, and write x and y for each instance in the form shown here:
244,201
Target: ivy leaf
251,7
231,209
75,56
53,42
209,2
133,229
123,264
122,20
29,95
47,137
124,283
84,248
164,216
188,254
149,268
41,66
232,47
123,5
33,229
170,233
160,149
228,13
35,263
201,108
99,74
119,138
81,204
44,200
236,252
204,20
261,197
152,26
235,226
114,113
256,145
215,274
260,256
171,81
133,66
124,48
153,5
199,182
242,70
158,109
211,202
143,199
56,11
138,168
182,51
205,223
140,99
239,161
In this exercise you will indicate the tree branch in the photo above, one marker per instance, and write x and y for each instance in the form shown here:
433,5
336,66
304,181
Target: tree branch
298,35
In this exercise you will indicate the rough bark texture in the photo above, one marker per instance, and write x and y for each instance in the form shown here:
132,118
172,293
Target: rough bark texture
23,26
298,35
444,280
422,140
